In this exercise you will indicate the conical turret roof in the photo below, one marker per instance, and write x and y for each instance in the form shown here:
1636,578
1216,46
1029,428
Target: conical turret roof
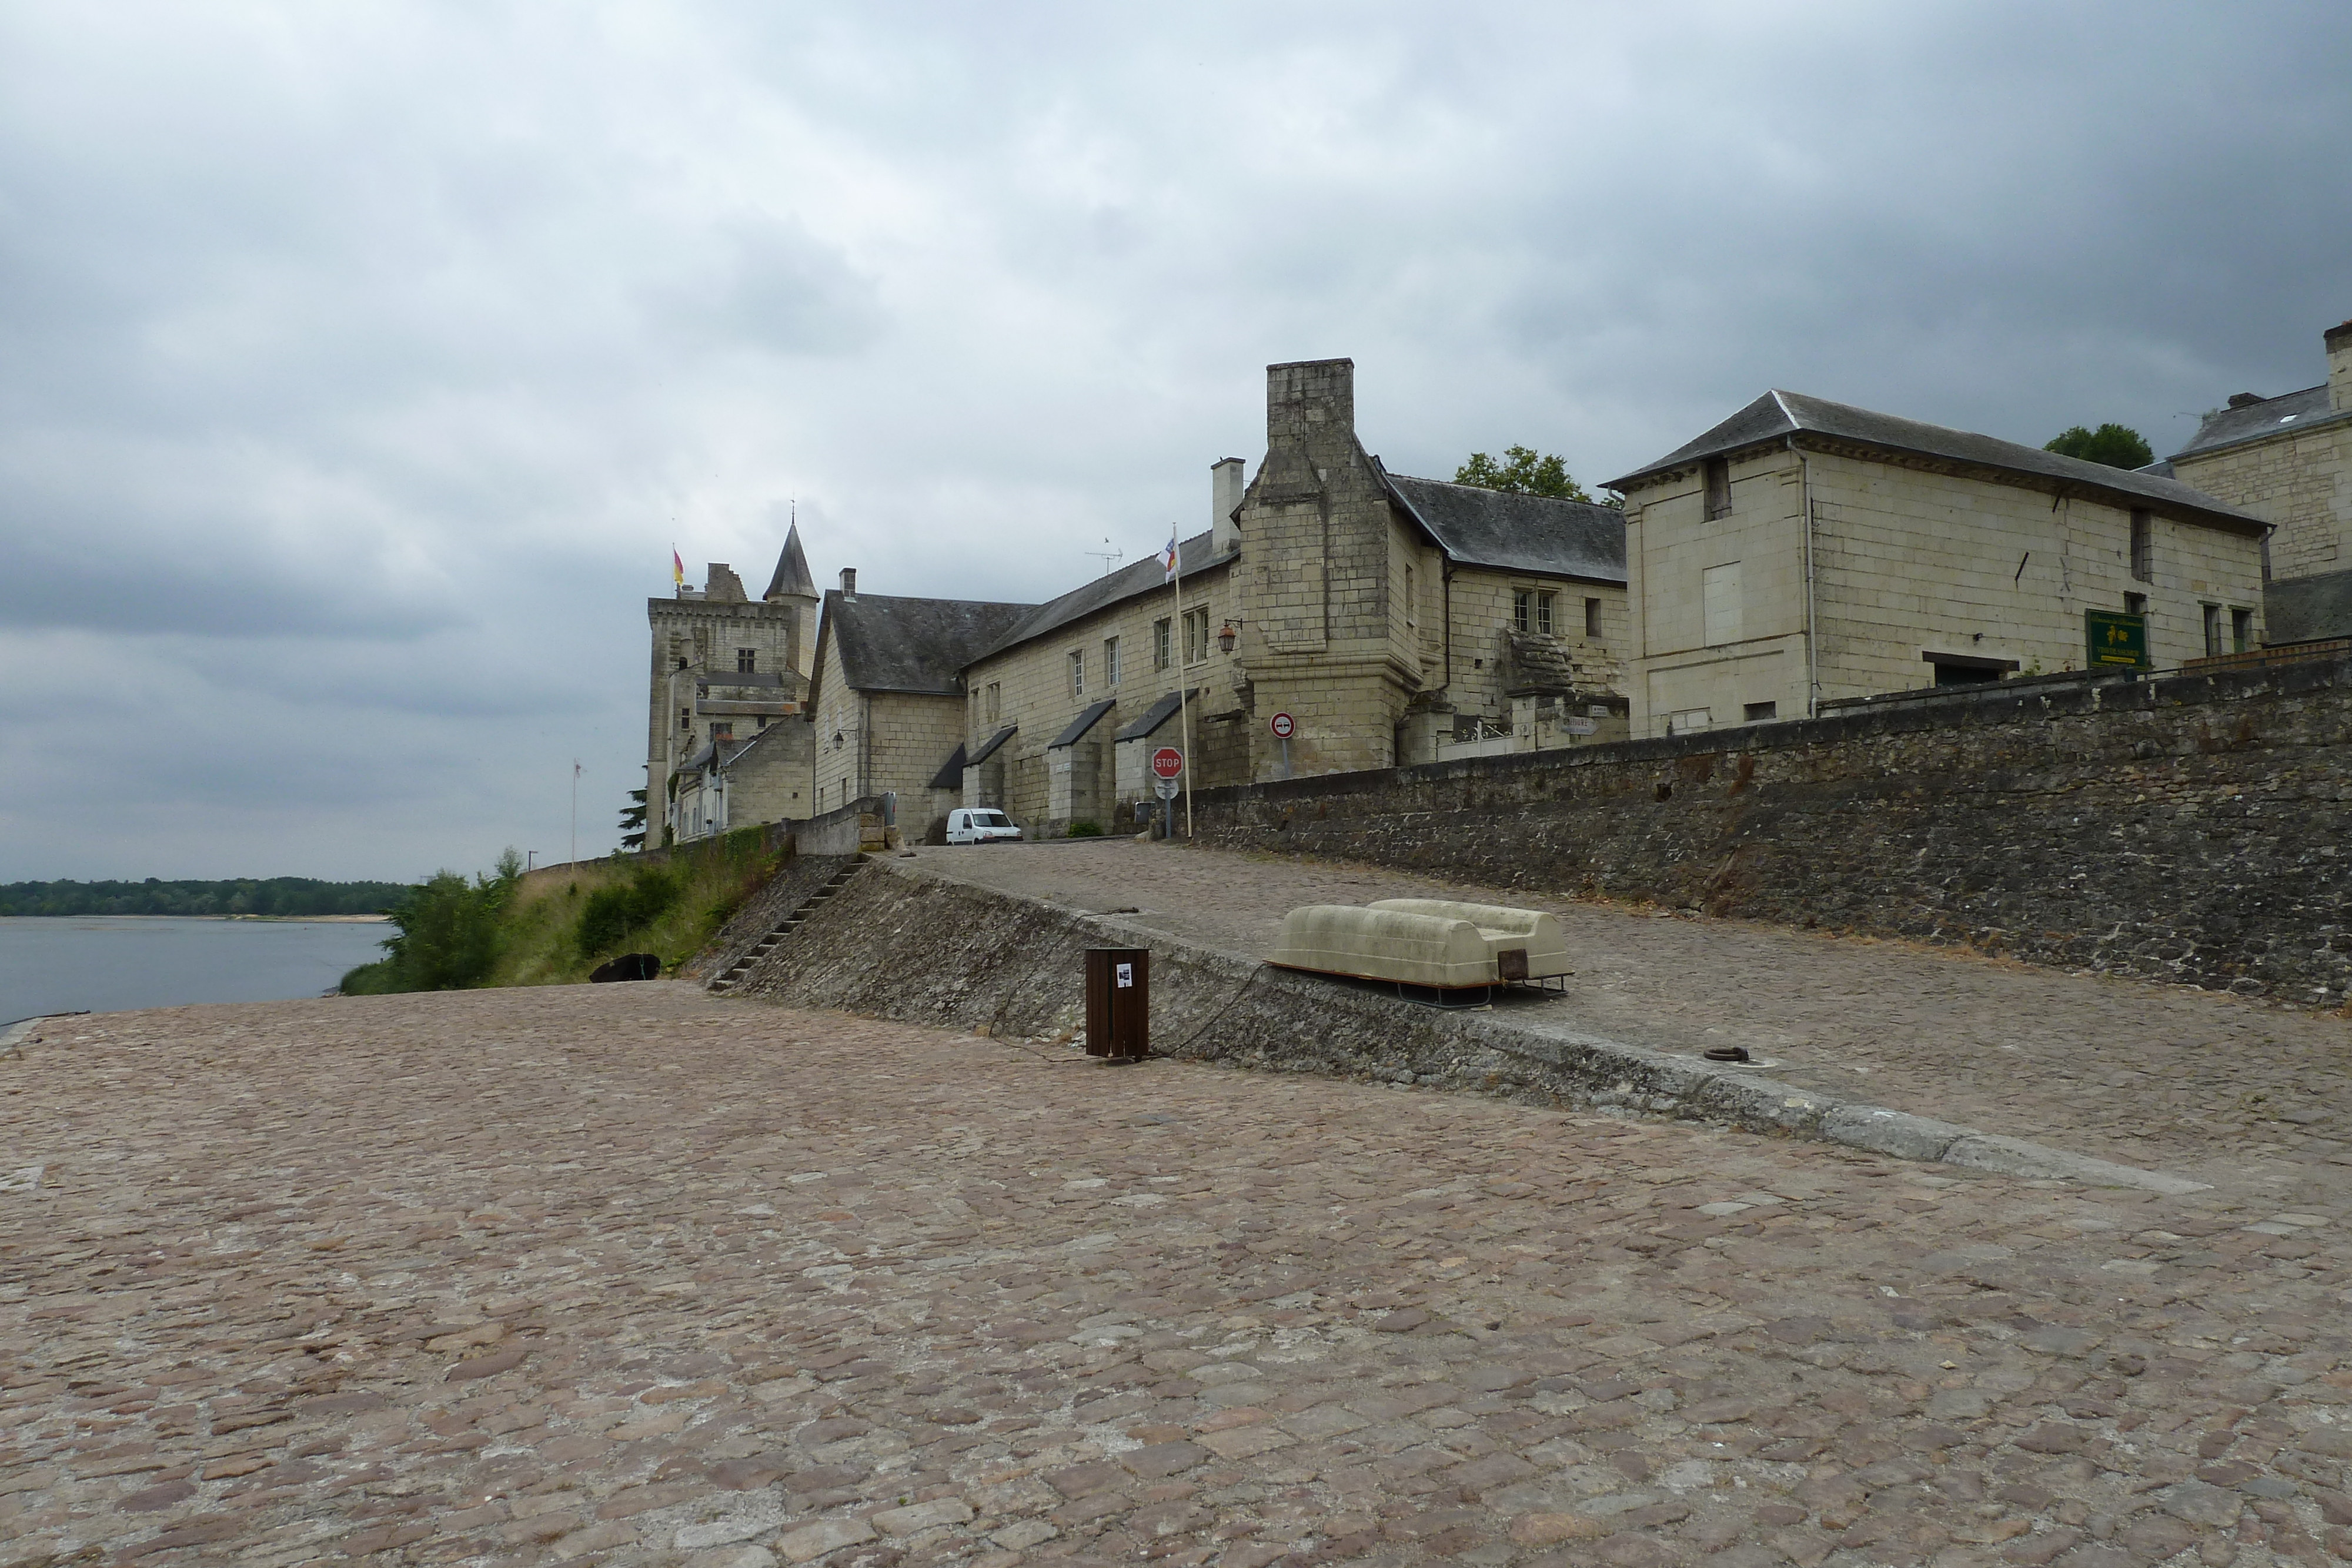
792,579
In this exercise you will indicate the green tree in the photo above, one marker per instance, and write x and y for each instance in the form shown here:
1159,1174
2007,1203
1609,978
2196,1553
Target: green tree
632,821
447,933
2116,445
1525,472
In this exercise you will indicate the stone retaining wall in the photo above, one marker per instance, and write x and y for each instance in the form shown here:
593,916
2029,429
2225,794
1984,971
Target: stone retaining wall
2192,828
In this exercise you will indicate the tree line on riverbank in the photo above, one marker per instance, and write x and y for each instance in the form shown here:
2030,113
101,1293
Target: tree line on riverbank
286,896
504,928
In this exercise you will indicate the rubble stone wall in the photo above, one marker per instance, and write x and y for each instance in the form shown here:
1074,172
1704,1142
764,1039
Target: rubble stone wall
2193,828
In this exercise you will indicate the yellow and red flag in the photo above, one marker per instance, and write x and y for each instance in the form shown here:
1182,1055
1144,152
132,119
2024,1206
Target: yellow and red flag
676,569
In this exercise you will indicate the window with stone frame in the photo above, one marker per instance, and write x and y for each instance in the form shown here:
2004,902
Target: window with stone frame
1543,612
747,661
722,731
2142,545
995,701
2241,631
2213,629
686,718
1163,650
1522,600
1110,662
1718,487
1196,635
1078,672
1592,618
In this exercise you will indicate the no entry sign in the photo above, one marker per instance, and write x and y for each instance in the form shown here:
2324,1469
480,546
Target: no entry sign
1168,762
1281,723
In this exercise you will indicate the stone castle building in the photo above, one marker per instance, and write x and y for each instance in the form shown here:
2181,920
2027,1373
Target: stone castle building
1804,551
2288,461
724,744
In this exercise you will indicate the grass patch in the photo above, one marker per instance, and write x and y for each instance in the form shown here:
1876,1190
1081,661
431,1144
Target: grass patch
552,928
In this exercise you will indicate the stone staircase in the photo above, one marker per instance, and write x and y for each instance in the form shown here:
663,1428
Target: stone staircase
791,922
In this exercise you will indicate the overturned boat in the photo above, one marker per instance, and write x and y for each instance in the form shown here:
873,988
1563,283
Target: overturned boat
1430,942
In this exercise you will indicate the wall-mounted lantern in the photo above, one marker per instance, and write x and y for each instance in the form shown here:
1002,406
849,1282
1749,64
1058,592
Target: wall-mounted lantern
1225,636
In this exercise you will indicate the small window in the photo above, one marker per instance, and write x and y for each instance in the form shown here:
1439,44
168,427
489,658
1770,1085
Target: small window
747,660
1163,650
1110,661
1690,720
686,718
1409,618
1760,713
1196,635
2241,631
1520,600
1078,672
2142,545
995,701
2213,629
1718,487
1720,594
1543,612
1592,618
722,732
2135,603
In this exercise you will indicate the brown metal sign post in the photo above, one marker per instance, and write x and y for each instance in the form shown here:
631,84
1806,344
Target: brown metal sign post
1119,1003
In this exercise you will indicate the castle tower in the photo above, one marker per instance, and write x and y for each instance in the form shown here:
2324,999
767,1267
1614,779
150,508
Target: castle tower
793,585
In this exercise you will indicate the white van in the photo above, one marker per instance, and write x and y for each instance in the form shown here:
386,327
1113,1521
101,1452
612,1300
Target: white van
980,827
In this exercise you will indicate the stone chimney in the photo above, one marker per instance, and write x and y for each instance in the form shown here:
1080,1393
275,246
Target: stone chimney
2339,368
1226,487
1310,401
720,585
849,582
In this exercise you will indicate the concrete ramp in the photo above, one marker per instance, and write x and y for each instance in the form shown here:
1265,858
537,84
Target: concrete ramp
899,941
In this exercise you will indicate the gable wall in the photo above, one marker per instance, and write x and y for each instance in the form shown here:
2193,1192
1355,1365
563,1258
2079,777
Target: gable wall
2302,482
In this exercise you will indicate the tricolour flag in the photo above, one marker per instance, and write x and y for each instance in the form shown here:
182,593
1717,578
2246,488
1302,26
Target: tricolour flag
676,569
1167,560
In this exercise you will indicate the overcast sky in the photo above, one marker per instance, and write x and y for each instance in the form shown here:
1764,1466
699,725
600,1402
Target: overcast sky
360,364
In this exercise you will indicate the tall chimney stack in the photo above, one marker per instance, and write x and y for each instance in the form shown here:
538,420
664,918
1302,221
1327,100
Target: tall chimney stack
1226,487
2339,368
849,582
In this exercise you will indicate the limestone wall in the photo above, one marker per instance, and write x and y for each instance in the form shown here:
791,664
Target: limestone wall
2189,829
1031,686
2300,480
1907,561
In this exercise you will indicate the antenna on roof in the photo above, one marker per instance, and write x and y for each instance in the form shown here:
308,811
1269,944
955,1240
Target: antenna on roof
1109,557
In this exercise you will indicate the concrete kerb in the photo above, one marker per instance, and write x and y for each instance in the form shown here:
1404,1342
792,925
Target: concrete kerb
928,948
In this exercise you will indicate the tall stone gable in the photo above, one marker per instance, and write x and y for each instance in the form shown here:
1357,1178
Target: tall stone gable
1318,540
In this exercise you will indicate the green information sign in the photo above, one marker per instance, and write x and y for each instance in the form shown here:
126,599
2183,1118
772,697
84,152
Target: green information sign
2116,641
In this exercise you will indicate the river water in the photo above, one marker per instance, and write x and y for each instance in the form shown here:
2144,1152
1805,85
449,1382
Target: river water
53,964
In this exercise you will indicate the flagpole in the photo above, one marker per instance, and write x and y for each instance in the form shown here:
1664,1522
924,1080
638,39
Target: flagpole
1184,711
575,811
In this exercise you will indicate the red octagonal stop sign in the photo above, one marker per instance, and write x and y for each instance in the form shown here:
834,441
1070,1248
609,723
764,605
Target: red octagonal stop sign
1168,762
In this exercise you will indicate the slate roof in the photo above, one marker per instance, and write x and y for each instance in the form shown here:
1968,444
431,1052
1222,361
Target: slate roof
791,571
988,747
890,645
2306,608
1083,723
951,773
1777,414
1155,715
2271,416
1129,581
1518,533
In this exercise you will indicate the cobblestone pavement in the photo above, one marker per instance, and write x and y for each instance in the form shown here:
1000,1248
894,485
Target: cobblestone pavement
633,1275
2150,1075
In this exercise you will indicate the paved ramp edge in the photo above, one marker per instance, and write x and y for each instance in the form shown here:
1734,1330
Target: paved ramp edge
905,941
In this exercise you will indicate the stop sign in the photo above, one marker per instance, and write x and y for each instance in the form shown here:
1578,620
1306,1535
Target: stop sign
1168,762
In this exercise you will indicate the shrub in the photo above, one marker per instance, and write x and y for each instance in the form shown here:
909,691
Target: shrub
614,914
1083,829
447,934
